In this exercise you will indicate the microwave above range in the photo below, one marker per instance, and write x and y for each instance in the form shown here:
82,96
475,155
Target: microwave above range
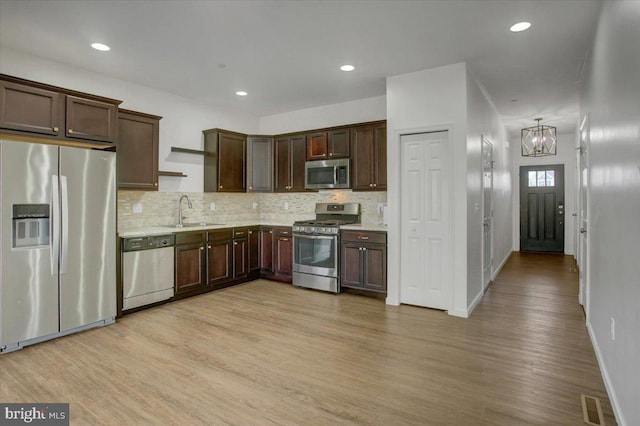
328,174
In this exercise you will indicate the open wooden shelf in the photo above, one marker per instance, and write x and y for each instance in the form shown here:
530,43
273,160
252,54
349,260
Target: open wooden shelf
192,151
174,174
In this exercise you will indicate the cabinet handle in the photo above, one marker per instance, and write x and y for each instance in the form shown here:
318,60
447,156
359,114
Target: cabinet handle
331,154
375,184
284,239
220,187
70,131
250,232
284,232
235,243
251,187
55,129
271,232
240,233
201,248
155,184
208,246
362,237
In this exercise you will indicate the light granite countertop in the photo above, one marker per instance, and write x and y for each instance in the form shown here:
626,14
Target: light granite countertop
365,227
162,230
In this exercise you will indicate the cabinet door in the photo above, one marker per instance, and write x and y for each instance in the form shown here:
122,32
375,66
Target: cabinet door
231,163
362,152
91,119
219,262
375,267
240,261
29,109
137,149
282,165
282,256
317,148
259,164
253,249
298,158
190,273
339,145
266,250
351,265
380,162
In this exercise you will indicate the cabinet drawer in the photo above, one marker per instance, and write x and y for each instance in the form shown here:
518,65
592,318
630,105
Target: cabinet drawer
365,237
240,232
190,237
219,235
282,232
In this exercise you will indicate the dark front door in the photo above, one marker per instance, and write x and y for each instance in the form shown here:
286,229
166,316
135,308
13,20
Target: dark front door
542,208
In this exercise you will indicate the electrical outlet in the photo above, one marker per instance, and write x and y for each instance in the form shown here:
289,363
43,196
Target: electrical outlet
380,207
613,328
254,205
286,205
137,208
212,206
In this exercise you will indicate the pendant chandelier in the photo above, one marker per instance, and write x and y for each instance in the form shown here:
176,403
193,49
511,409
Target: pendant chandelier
539,140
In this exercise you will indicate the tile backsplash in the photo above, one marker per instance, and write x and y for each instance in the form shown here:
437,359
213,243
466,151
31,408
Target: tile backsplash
161,208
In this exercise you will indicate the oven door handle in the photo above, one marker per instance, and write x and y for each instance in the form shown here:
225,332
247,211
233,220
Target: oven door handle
314,237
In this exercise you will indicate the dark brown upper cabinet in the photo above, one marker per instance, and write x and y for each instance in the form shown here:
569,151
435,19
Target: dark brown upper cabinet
224,161
290,156
28,107
137,149
328,145
259,164
369,157
91,119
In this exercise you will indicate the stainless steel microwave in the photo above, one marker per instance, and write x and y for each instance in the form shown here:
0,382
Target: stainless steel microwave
329,174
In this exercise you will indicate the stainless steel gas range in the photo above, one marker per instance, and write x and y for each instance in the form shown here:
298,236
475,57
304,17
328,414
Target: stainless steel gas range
316,246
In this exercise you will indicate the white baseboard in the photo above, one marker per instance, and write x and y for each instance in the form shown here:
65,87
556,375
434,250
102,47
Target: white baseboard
462,313
499,268
607,379
474,303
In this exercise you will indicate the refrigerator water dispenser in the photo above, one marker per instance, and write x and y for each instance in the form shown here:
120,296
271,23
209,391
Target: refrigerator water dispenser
30,225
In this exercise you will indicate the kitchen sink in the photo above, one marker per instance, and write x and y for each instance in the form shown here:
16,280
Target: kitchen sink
194,224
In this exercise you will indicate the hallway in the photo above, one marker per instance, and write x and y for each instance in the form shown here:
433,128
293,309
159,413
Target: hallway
532,308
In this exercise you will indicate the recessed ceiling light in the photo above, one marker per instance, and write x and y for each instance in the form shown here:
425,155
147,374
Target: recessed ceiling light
347,68
520,26
101,47
241,93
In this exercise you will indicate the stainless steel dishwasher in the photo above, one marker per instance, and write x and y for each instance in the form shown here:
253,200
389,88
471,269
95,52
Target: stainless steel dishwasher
147,270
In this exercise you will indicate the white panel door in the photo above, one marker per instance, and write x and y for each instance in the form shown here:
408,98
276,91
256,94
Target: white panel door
583,220
487,219
425,270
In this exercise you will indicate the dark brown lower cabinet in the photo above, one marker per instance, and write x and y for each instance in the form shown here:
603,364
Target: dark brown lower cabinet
253,250
190,261
282,254
240,261
364,261
266,251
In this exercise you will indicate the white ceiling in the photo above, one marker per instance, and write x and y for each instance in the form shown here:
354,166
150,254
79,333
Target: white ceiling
286,54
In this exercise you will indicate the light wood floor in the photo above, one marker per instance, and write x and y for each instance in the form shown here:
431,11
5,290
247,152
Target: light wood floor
268,353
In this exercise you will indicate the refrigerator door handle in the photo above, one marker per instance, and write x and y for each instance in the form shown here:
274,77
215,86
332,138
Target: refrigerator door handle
64,200
54,228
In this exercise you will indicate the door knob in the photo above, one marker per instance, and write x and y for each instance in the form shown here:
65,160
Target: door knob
583,230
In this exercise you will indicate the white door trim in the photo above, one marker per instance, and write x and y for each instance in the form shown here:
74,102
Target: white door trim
485,284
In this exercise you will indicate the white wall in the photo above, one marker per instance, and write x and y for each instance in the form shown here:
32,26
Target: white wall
182,119
611,98
567,156
360,111
483,120
433,99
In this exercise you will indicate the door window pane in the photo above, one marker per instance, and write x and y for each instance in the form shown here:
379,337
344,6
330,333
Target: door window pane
550,177
532,178
541,178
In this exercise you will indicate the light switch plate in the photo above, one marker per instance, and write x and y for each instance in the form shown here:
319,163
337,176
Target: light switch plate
137,208
286,205
212,206
254,205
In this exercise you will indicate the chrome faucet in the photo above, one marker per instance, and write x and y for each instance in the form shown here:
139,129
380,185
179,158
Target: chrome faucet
180,223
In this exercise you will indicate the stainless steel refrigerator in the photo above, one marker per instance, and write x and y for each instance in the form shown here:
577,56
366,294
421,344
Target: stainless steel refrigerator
58,216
